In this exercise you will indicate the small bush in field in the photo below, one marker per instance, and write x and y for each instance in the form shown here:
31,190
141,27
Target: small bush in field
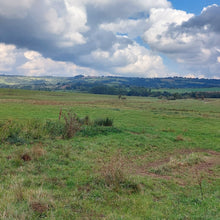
85,121
103,122
54,128
33,129
115,177
72,124
11,132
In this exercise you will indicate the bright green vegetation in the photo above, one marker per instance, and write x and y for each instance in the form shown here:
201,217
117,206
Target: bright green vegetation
159,160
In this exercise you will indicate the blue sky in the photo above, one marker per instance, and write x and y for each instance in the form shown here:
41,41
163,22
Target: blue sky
142,38
193,6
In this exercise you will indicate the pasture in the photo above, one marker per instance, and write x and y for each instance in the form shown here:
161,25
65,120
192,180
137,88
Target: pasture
159,160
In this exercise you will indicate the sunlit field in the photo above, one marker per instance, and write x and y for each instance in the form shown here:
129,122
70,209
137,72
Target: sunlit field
69,155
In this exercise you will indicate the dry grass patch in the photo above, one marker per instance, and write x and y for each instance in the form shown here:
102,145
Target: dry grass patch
183,166
179,138
37,151
115,174
113,171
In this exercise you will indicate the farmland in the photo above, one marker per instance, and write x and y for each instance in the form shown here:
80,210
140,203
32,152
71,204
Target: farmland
159,159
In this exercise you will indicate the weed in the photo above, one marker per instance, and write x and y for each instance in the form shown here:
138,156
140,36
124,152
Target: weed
72,124
114,175
54,128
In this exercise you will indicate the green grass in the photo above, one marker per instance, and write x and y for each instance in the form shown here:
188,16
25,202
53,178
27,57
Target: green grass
152,164
187,90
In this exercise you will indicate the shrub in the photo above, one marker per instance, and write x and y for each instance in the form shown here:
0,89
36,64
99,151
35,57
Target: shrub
33,129
54,128
115,177
72,124
85,121
11,132
104,122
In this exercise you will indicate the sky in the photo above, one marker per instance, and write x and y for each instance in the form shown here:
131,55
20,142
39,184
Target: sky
138,38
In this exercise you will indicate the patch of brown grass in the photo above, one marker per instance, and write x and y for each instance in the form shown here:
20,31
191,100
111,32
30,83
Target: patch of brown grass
179,138
37,151
168,130
113,171
39,207
180,166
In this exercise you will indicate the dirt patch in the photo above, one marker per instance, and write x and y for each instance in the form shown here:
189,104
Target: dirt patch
182,166
9,157
26,157
39,207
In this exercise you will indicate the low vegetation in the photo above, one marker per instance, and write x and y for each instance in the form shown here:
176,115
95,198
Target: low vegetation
82,156
17,132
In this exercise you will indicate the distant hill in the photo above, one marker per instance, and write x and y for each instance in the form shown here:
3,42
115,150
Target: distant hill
54,83
130,86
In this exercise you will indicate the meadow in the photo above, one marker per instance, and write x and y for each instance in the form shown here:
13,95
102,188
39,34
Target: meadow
159,159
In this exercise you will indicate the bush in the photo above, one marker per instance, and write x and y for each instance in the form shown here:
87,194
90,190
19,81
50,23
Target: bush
11,132
54,128
114,175
33,129
72,124
104,122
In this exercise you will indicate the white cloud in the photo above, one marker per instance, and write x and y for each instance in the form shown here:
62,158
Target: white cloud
7,57
190,75
190,40
67,34
131,60
32,63
159,23
37,65
15,9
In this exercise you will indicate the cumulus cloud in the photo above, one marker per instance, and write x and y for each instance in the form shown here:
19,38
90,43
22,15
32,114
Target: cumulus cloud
100,36
7,57
128,60
80,32
37,65
191,40
12,9
32,63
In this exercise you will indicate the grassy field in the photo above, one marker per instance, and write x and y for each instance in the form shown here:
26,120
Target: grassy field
159,160
187,90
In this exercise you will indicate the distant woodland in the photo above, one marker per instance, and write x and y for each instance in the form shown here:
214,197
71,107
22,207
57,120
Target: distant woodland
168,88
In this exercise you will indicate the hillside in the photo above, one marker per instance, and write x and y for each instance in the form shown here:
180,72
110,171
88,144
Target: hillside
168,88
83,81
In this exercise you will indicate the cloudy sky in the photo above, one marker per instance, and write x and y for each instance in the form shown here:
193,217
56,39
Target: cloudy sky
143,38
